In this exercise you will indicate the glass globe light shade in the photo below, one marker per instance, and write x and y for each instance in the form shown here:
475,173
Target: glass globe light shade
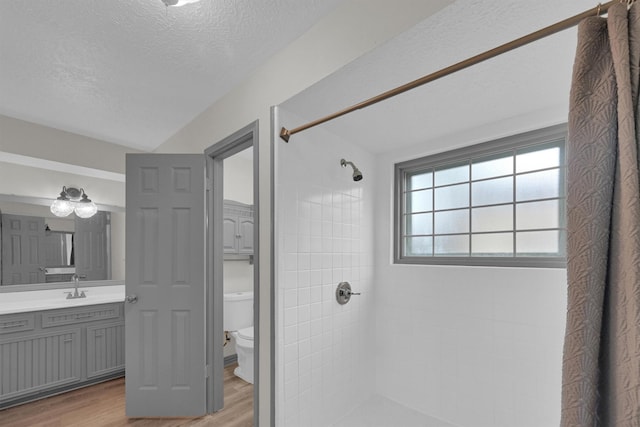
178,3
61,207
85,208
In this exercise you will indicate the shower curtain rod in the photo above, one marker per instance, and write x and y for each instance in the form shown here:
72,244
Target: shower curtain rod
601,9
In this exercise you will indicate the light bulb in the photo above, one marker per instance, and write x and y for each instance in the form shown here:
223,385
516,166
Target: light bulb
61,207
178,3
85,208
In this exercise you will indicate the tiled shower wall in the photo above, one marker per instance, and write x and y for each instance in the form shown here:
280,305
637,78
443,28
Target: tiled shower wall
324,235
475,346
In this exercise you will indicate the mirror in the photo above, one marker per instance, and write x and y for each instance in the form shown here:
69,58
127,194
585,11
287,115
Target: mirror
51,249
58,248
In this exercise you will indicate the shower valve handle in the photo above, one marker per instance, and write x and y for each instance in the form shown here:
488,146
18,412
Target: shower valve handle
344,293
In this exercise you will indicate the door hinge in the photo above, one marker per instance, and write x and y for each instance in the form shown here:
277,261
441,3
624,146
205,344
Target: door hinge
206,371
209,186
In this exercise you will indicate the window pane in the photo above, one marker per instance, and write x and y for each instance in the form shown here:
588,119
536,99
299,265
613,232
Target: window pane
452,222
452,175
491,166
452,245
420,180
456,196
416,246
538,185
497,203
495,218
537,215
498,244
539,159
419,224
420,201
492,191
538,243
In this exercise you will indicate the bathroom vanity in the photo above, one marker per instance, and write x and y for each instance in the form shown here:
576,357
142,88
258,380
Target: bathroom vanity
50,344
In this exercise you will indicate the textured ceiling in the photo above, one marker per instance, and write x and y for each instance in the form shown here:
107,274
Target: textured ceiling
134,72
531,81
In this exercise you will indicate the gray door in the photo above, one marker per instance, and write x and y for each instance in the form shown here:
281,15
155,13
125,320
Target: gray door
90,247
165,285
22,249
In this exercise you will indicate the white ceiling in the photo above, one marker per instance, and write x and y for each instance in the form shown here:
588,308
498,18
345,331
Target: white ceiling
531,81
135,72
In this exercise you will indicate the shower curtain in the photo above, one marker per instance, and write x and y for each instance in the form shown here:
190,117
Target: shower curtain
601,362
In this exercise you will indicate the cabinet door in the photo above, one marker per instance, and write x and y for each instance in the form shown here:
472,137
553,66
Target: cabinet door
245,244
230,234
40,362
105,349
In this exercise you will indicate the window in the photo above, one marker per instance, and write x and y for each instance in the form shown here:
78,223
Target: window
499,203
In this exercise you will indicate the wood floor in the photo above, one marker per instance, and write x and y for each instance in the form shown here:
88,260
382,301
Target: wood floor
104,404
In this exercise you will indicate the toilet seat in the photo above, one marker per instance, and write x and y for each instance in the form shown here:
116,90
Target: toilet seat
246,333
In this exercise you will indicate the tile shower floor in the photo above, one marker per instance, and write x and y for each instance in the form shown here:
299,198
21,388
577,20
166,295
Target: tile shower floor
379,411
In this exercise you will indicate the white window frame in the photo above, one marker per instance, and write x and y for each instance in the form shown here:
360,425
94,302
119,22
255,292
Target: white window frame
516,143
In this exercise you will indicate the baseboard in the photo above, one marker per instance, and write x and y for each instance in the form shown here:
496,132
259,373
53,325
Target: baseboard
58,390
230,360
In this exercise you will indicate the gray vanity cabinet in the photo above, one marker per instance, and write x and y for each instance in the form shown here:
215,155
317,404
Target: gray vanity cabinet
105,349
36,362
237,228
46,352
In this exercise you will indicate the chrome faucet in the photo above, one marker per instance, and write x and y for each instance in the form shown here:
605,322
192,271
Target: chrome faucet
75,293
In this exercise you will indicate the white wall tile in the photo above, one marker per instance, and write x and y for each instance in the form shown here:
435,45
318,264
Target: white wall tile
500,334
327,227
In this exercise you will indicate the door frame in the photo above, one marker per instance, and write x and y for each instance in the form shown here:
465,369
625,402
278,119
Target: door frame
247,137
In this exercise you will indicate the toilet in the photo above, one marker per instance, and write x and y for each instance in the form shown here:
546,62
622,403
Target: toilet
238,319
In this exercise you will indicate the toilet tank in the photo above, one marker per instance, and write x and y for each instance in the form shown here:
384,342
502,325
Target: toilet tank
238,310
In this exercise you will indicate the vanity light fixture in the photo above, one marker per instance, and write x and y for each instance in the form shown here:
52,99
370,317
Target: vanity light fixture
178,3
73,200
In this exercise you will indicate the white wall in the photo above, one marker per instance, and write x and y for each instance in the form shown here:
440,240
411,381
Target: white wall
476,346
324,220
238,178
325,48
29,139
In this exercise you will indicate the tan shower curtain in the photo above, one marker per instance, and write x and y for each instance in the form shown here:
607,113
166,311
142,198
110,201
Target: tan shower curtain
601,363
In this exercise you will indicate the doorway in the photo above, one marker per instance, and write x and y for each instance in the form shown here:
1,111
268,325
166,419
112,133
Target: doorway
233,263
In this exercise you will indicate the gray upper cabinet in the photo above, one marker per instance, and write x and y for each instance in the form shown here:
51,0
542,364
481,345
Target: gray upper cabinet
237,228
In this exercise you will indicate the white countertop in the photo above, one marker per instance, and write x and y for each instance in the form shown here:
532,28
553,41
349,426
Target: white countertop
20,302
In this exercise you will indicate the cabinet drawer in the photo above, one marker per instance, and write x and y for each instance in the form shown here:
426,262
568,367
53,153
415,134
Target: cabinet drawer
19,322
88,313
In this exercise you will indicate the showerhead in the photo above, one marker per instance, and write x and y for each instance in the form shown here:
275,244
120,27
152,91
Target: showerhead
357,175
